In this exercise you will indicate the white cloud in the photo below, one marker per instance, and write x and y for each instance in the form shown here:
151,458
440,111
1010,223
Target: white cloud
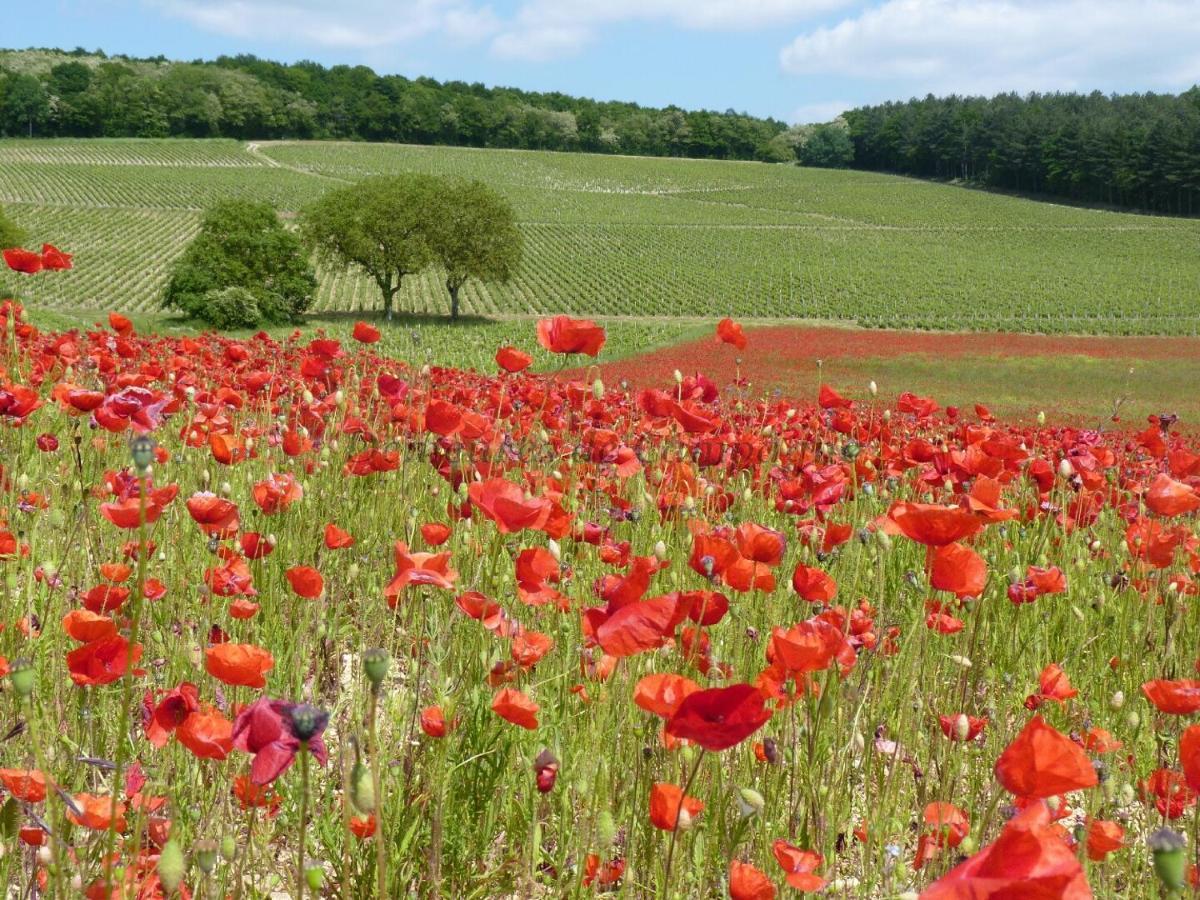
824,111
990,46
547,29
348,24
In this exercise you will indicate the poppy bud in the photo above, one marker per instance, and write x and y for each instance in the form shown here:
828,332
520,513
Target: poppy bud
205,854
226,489
546,768
873,388
883,539
1117,700
598,389
314,876
887,415
44,855
23,677
606,827
962,727
1169,860
171,866
375,665
1041,417
362,788
555,549
228,848
660,550
750,802
678,377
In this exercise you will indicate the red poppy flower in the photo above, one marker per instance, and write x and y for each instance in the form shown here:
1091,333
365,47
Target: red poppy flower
505,504
435,533
562,334
207,734
1103,838
25,261
239,664
958,569
102,661
748,883
260,729
662,694
336,538
363,827
120,324
418,568
1042,762
1031,858
1170,790
96,813
719,718
1176,698
640,626
932,525
53,258
1167,497
962,727
799,865
670,809
366,333
730,332
305,581
1189,756
813,585
433,721
215,515
512,360
27,785
515,707
171,711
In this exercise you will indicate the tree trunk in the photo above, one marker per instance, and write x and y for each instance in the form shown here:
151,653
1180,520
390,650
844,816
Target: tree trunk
453,289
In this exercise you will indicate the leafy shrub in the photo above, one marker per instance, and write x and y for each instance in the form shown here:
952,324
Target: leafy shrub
232,307
244,245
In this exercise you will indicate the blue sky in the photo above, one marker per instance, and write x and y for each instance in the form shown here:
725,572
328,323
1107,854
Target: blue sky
797,60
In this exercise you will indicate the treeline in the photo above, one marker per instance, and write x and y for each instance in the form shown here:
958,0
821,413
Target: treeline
86,94
1139,150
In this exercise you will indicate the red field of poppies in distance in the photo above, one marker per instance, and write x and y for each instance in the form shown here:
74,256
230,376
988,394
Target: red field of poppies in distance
291,618
1077,379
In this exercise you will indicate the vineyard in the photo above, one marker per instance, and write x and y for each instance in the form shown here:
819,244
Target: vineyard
634,237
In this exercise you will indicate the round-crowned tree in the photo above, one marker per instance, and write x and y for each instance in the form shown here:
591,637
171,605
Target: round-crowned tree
473,235
381,225
242,244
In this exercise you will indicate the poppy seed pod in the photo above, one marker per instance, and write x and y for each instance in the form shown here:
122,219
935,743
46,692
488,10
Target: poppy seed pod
1170,863
228,848
205,854
141,450
306,720
375,666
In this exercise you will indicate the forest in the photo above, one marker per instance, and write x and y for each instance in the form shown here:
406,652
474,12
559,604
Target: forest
1137,151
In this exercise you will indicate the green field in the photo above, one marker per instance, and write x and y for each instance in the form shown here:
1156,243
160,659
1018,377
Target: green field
637,237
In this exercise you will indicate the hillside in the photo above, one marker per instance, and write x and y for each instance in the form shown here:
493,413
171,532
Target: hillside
623,236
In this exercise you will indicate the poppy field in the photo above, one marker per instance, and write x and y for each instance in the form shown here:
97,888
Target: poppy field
288,617
624,236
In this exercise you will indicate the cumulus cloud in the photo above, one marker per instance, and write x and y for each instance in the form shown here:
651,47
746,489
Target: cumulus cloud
348,24
823,111
990,46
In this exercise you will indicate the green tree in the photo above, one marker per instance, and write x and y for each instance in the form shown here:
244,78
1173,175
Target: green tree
473,235
828,147
381,225
25,104
11,234
242,244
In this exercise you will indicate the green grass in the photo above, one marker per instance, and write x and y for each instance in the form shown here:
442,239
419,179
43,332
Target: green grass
637,237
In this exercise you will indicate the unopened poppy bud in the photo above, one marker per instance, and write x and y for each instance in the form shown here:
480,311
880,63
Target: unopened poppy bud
678,377
226,489
362,788
1041,417
1117,700
205,854
1065,469
961,660
873,388
228,848
555,549
22,676
339,397
684,821
171,866
606,827
598,389
307,396
750,802
660,550
1052,804
44,855
1170,862
314,876
545,767
375,666
887,415
1133,720
352,571
1128,794
205,477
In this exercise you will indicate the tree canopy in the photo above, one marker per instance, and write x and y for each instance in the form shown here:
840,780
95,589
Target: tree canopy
11,234
242,244
393,226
